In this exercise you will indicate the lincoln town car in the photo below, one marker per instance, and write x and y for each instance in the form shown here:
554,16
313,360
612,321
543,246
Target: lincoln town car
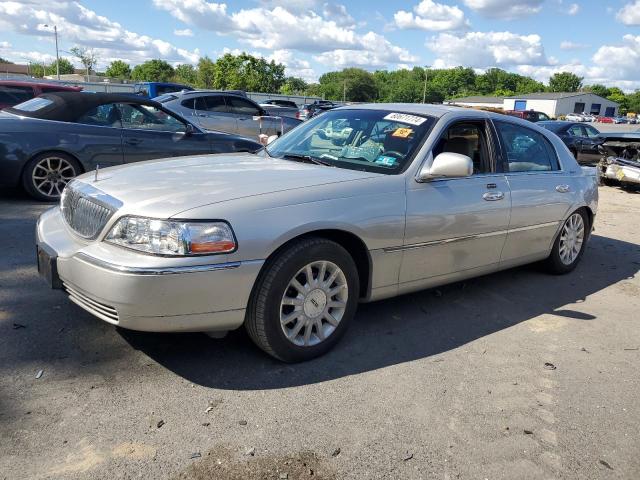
359,204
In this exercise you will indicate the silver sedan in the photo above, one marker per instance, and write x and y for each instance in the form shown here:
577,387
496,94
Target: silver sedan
359,204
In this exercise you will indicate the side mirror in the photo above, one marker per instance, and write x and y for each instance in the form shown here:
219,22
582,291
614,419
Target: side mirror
271,138
447,164
189,130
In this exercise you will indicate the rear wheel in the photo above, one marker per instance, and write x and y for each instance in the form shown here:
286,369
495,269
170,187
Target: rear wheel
304,300
570,244
46,175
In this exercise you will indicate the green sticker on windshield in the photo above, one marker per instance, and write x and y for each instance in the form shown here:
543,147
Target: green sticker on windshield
386,161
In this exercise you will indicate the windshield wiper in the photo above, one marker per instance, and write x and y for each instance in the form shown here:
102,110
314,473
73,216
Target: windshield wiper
306,158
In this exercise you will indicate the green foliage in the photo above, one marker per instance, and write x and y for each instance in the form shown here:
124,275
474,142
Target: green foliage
86,56
293,86
118,69
633,102
352,84
498,82
206,74
618,96
565,82
4,60
66,67
185,74
597,89
153,71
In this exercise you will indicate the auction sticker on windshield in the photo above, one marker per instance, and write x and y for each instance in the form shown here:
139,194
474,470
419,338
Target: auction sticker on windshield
406,118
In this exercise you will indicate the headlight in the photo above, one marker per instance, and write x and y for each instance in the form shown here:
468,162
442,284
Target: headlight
169,237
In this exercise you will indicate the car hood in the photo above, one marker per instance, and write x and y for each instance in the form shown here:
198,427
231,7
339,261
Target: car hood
165,188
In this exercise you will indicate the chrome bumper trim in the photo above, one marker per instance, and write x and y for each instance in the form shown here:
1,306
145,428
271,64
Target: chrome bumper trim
154,270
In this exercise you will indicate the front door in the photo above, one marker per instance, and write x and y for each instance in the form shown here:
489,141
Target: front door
541,193
149,133
457,224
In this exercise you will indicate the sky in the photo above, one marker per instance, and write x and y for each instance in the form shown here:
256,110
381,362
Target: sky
596,39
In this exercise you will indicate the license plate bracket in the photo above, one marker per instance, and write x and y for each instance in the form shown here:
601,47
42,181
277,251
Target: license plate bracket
48,266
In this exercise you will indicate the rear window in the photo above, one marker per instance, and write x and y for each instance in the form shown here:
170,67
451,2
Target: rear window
33,105
167,97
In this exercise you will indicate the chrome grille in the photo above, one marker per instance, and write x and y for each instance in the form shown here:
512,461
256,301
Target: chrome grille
83,212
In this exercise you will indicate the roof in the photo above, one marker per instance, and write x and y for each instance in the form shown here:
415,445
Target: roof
476,99
69,106
419,108
27,83
553,96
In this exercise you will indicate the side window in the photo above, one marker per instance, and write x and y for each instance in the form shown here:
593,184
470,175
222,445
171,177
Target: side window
240,106
526,149
103,116
543,116
470,139
591,132
576,131
146,117
215,103
14,95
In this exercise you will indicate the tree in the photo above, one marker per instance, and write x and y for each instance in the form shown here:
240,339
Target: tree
206,74
66,67
351,84
598,90
87,57
633,102
565,82
293,86
118,69
153,71
618,96
185,74
4,60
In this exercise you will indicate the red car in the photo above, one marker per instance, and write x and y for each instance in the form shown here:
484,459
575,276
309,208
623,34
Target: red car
15,92
605,120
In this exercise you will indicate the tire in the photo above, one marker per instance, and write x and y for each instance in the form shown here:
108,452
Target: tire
46,175
308,306
566,254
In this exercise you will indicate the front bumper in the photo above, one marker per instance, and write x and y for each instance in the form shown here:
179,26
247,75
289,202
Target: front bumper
140,292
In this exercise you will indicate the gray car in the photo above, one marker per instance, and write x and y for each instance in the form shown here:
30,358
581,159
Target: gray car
227,112
359,204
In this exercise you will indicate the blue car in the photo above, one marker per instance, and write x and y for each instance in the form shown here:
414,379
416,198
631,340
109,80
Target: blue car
48,140
155,89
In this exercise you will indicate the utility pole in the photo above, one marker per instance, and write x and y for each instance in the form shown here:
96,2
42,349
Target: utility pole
424,92
55,33
344,90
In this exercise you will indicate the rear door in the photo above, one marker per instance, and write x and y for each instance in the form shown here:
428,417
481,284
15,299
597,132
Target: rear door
245,112
212,113
540,191
149,133
100,132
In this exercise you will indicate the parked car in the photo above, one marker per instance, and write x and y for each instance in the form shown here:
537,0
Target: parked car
582,140
619,120
282,103
303,112
358,204
574,117
227,112
530,115
620,163
14,92
155,89
320,106
280,111
603,119
48,140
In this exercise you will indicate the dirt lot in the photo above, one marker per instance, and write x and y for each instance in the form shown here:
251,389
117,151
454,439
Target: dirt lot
517,375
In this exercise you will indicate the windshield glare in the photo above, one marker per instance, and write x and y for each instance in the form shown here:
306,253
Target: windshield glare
369,140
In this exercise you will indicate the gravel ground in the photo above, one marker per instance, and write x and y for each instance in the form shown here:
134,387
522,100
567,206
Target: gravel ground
513,375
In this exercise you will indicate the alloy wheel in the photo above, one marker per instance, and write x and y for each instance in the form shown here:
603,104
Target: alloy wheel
314,303
51,174
571,239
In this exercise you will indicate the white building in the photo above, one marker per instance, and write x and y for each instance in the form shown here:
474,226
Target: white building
477,102
555,104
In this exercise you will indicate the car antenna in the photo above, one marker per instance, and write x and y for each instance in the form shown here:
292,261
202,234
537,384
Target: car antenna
95,178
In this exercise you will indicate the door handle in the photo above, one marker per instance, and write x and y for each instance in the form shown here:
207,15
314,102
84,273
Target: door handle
133,141
563,188
493,196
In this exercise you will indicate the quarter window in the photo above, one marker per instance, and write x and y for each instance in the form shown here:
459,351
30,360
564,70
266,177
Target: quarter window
591,132
241,106
526,149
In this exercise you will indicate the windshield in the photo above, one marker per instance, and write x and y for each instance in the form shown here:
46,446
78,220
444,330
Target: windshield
370,140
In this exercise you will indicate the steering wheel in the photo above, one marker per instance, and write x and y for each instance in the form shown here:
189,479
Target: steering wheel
393,153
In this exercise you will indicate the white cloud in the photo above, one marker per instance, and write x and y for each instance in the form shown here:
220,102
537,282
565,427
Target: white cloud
573,9
331,36
630,13
295,66
487,49
568,45
5,45
82,26
187,32
505,8
433,16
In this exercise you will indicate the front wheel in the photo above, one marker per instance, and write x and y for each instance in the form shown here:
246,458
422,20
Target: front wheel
46,175
304,300
570,244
